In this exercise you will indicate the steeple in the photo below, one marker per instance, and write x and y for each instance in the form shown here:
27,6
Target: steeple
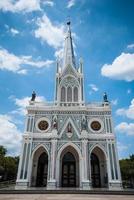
69,89
68,57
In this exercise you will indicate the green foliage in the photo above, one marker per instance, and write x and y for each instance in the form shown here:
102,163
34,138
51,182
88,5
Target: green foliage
127,171
3,150
8,165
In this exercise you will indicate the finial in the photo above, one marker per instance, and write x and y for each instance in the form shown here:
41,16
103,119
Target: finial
68,23
68,20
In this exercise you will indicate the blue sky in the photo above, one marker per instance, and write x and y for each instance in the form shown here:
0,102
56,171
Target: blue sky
31,39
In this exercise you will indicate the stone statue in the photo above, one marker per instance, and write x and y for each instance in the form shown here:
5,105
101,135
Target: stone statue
105,97
55,123
84,124
33,96
69,128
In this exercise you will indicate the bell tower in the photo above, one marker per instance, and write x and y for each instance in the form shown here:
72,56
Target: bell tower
69,77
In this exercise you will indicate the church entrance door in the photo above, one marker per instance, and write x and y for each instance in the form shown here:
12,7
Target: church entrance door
42,170
95,171
68,170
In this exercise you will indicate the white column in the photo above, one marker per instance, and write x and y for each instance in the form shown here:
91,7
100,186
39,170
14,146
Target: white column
20,161
85,177
29,170
113,160
52,180
108,165
53,159
25,160
117,160
84,155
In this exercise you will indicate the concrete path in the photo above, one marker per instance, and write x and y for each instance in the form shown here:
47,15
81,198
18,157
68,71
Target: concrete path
64,197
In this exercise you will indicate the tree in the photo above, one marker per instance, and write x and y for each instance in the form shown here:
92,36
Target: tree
3,150
8,165
127,171
132,157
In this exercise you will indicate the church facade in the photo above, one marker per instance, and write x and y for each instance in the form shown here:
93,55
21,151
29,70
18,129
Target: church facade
69,143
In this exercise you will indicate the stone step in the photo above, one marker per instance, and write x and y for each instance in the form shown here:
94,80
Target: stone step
68,191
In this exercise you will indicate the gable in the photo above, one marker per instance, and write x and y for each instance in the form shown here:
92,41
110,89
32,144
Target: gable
69,130
69,70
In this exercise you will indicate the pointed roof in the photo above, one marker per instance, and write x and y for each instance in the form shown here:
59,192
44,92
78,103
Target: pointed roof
68,57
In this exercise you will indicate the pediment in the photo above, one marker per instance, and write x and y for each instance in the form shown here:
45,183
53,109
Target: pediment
69,130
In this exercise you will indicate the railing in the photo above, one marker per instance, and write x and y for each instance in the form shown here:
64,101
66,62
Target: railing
4,184
97,104
41,103
69,104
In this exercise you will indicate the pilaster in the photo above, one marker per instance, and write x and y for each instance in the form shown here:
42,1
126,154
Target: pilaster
51,183
85,176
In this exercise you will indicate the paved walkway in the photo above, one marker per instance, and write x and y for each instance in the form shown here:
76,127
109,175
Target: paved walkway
64,197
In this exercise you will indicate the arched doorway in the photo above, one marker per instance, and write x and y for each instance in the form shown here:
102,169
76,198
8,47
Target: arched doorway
95,171
42,169
68,170
99,176
68,165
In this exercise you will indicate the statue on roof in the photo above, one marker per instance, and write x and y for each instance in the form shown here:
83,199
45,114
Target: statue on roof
54,123
33,96
69,128
84,123
105,99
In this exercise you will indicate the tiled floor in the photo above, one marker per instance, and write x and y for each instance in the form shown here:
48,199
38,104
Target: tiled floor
64,197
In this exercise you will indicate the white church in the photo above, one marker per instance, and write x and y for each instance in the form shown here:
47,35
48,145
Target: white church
69,143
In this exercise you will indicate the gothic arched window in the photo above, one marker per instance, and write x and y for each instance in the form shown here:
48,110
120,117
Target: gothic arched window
69,94
63,94
75,94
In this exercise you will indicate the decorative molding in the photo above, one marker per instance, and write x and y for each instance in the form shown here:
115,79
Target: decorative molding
47,145
50,112
43,119
98,120
101,145
60,144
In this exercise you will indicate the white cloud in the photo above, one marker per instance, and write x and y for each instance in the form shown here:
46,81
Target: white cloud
129,112
14,31
129,91
39,64
49,3
130,46
52,34
124,127
11,62
121,147
122,68
121,112
10,136
23,5
6,26
59,53
23,103
93,88
114,102
71,3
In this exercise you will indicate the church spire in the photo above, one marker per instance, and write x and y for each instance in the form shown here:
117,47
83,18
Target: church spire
68,49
